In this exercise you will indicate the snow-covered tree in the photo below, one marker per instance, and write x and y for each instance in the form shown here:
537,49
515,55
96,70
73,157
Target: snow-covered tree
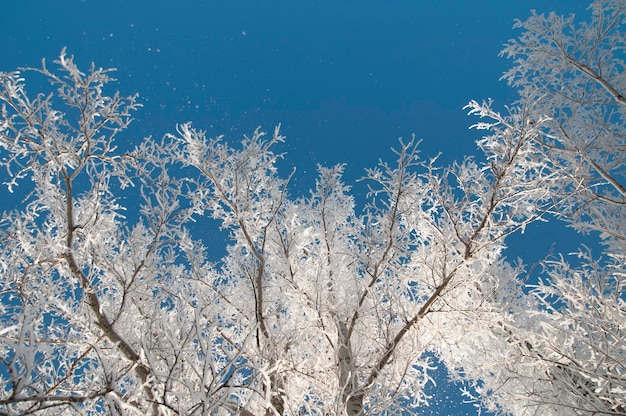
315,309
110,303
570,354
571,75
347,305
99,315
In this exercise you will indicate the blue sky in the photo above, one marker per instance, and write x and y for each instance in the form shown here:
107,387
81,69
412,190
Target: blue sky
345,78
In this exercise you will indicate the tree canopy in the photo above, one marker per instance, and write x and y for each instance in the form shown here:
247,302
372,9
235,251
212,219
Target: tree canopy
110,303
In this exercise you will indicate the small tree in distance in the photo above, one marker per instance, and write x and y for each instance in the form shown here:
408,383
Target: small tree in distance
316,308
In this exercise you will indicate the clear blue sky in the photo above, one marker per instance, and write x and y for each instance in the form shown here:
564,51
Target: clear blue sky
345,78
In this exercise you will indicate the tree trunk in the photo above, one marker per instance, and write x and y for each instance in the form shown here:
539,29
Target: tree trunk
351,397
